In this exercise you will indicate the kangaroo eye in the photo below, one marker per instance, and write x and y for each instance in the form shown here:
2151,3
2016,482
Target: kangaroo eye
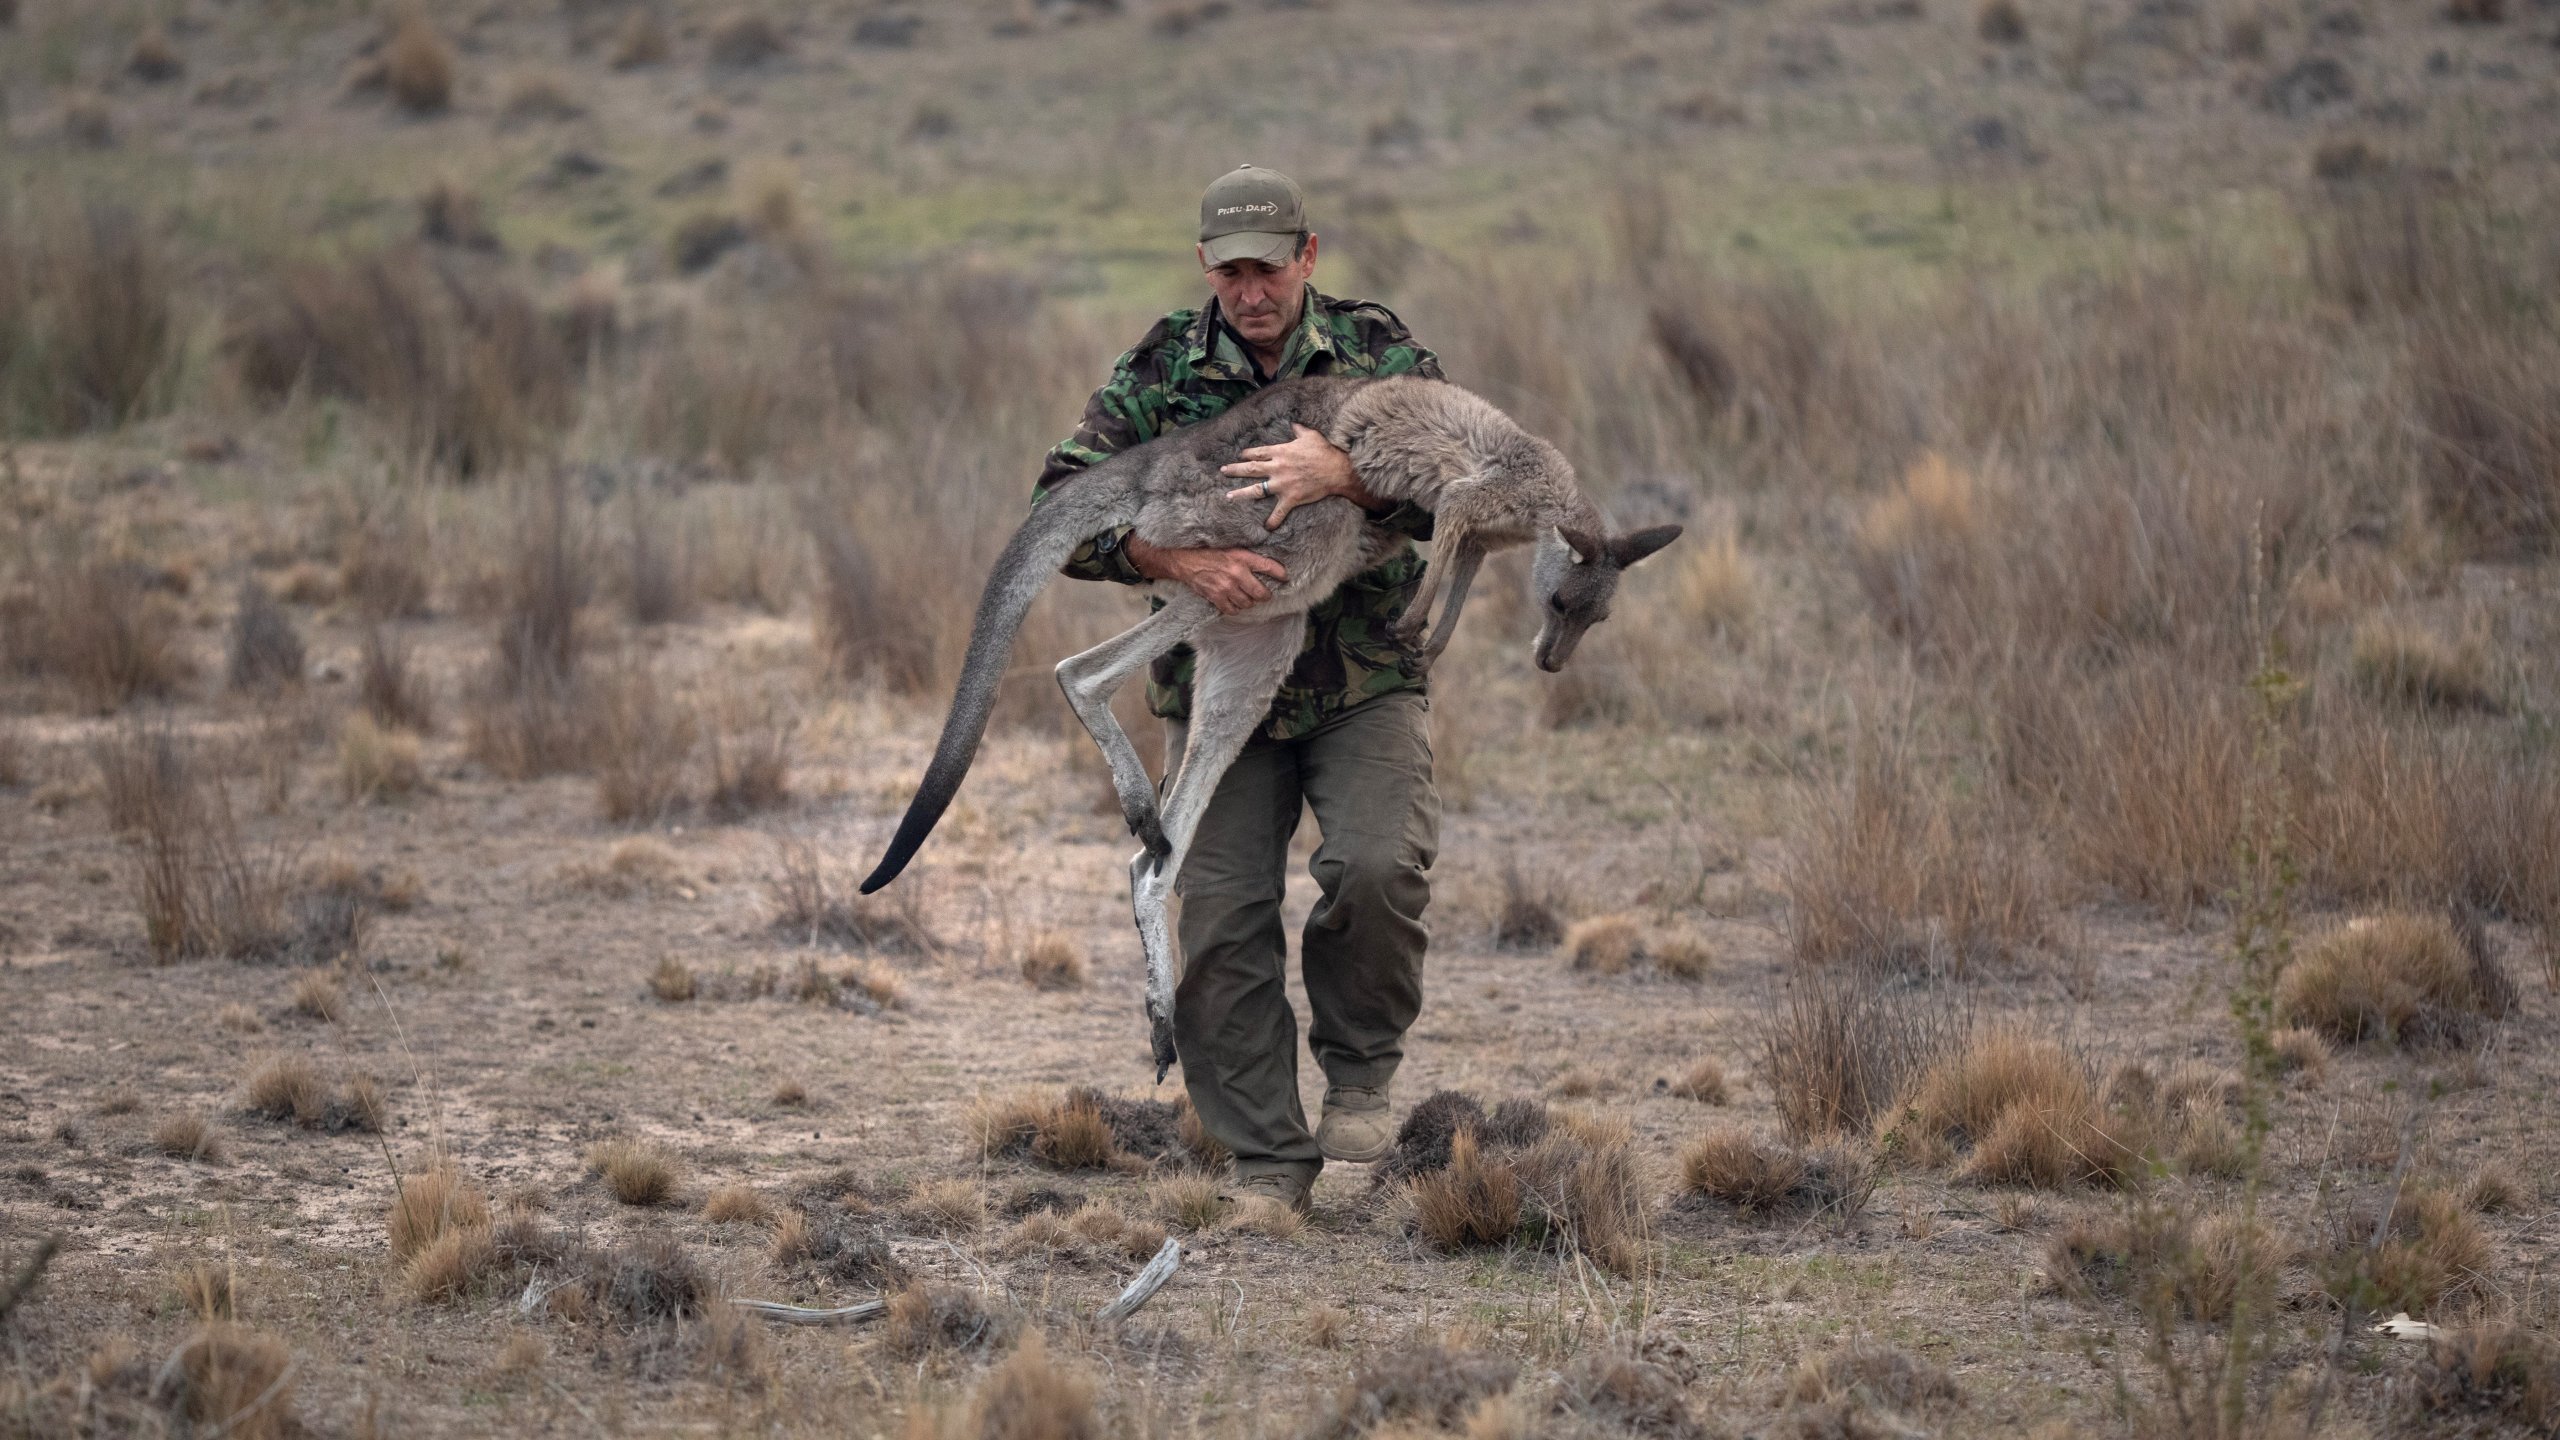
1556,603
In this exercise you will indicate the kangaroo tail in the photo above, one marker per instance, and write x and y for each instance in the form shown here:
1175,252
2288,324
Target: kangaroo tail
1058,524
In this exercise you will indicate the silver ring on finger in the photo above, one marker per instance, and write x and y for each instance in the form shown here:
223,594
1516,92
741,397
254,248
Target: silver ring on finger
1266,489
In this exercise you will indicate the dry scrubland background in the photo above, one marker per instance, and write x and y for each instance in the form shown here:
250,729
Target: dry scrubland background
2037,917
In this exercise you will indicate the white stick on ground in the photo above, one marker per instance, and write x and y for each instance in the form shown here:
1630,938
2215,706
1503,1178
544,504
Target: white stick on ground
1147,1283
803,1315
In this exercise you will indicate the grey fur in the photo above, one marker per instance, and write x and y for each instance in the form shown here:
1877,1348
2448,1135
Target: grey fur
1491,486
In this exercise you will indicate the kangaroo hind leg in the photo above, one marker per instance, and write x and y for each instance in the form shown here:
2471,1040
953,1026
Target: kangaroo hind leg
1241,665
1090,678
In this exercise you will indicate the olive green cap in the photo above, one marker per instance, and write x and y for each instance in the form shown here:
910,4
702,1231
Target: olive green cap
1251,213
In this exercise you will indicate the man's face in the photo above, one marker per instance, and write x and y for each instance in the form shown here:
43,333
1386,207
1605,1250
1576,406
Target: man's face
1262,301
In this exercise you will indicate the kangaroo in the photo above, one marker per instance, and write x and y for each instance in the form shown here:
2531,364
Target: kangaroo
1489,484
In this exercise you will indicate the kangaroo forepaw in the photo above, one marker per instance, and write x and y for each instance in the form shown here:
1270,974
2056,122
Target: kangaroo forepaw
1149,828
1161,1040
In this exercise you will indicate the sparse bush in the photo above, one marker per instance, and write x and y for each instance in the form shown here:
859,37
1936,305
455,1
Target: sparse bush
202,888
89,330
530,717
266,651
1530,918
2023,1111
1760,1177
1052,962
1843,1043
812,906
456,361
2398,978
643,739
1887,871
393,692
101,629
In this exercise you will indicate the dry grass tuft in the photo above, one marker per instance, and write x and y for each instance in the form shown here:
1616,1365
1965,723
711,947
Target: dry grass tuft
1627,1392
286,1087
735,1205
375,763
1761,1178
1869,1372
1187,1202
417,65
1070,1133
1261,1215
790,1094
205,1290
432,1203
2398,978
1426,1389
2023,1111
1895,874
2408,665
318,995
927,1319
1469,1202
637,1173
188,1136
1718,588
952,1207
1604,944
2493,1368
523,1353
2493,1189
1030,1396
451,1266
1704,1083
2301,1051
2431,1248
671,981
234,1381
1052,962
791,1240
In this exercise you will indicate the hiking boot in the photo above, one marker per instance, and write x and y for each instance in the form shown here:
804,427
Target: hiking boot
1358,1125
1277,1186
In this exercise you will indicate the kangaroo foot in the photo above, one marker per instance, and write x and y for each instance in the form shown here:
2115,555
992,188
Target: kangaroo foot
1149,828
1160,1040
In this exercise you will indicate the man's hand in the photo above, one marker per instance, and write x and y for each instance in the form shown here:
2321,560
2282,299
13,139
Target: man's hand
1232,580
1306,469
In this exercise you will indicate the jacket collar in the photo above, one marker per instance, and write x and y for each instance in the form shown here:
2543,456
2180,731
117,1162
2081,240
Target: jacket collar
1216,353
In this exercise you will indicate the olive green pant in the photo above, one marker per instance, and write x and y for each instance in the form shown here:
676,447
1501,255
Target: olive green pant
1366,774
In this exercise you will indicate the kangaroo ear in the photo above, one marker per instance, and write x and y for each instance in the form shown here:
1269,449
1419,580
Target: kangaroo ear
1628,549
1586,546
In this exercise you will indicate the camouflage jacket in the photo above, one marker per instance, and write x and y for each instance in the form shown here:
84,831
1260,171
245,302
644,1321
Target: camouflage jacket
1190,367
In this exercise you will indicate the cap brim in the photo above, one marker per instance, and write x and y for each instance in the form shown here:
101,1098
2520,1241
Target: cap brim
1266,246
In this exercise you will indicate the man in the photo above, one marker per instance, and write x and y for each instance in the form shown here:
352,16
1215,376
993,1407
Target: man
1347,735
